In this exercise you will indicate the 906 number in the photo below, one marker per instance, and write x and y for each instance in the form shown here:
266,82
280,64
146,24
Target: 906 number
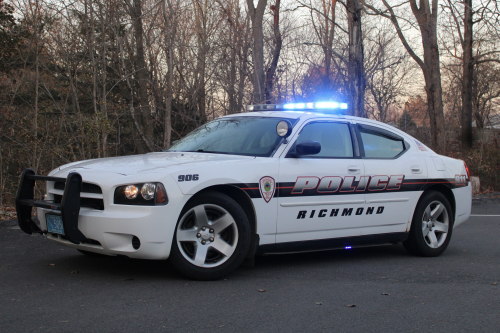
188,178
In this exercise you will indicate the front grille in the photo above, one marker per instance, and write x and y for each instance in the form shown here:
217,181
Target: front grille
86,187
84,202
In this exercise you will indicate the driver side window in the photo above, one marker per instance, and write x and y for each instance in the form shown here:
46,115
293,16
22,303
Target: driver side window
335,139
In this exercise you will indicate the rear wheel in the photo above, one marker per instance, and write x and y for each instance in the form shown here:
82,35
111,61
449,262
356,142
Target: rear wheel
212,237
431,227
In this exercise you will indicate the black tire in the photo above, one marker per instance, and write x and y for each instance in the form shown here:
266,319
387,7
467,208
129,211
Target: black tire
214,265
424,223
92,254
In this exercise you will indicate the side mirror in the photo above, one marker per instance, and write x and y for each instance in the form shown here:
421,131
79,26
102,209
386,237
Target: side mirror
307,148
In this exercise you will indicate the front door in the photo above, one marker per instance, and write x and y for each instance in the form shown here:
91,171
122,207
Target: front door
321,196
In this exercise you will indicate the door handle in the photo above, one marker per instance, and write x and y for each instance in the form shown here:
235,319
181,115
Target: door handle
416,169
353,169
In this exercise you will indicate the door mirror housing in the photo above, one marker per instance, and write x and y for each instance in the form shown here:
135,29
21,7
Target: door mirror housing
307,148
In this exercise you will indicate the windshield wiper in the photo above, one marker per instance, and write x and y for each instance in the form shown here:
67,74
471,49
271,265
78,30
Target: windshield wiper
208,151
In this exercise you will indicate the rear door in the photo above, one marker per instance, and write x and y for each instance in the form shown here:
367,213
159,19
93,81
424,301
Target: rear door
396,172
321,196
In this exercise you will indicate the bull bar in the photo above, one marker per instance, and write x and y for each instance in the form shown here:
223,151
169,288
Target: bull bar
69,207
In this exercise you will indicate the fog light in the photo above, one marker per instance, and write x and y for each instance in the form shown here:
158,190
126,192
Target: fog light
136,243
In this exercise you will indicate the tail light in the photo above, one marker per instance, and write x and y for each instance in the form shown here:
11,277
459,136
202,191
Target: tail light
467,169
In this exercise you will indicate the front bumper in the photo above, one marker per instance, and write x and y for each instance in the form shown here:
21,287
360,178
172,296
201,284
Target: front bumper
111,231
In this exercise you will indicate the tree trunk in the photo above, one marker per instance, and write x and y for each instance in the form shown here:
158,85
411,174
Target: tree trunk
257,15
141,73
426,17
200,11
427,21
34,164
169,50
104,104
271,71
242,73
231,89
328,42
356,71
467,76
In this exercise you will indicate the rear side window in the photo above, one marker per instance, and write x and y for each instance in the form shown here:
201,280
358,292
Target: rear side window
378,143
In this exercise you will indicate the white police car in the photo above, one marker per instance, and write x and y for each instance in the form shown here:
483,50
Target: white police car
291,177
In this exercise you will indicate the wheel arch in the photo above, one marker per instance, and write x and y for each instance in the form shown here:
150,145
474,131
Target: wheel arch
447,192
246,204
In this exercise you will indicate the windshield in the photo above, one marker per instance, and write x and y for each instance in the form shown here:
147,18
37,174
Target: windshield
251,136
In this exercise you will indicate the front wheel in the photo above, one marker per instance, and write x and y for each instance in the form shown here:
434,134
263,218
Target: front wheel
431,227
212,237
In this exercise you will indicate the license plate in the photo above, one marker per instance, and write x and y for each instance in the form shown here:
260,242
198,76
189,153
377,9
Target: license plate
54,224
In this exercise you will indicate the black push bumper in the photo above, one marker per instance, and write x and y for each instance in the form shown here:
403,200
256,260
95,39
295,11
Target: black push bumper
69,206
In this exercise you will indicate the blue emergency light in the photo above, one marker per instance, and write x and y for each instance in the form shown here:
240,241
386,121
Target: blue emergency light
317,106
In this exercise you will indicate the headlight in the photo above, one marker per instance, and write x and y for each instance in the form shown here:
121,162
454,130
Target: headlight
151,194
130,191
148,191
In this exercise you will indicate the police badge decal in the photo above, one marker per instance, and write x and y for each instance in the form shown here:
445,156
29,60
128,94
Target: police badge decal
267,187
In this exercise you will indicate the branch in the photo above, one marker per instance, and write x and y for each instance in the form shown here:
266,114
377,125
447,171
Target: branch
394,21
487,60
322,14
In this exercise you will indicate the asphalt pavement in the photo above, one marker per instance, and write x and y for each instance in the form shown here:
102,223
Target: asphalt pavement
48,288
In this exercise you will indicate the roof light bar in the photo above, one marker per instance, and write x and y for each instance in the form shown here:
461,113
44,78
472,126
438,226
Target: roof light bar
319,106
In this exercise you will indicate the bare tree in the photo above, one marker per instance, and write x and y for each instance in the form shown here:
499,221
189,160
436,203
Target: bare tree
356,68
135,10
170,23
467,76
277,43
324,24
234,46
425,13
257,16
386,69
462,25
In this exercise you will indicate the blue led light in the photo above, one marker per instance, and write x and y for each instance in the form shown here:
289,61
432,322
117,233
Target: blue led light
332,107
348,247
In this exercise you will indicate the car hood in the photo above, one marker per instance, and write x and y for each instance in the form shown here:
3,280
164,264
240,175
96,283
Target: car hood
152,162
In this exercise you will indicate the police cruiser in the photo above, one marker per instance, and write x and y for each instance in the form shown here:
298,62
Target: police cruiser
280,178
